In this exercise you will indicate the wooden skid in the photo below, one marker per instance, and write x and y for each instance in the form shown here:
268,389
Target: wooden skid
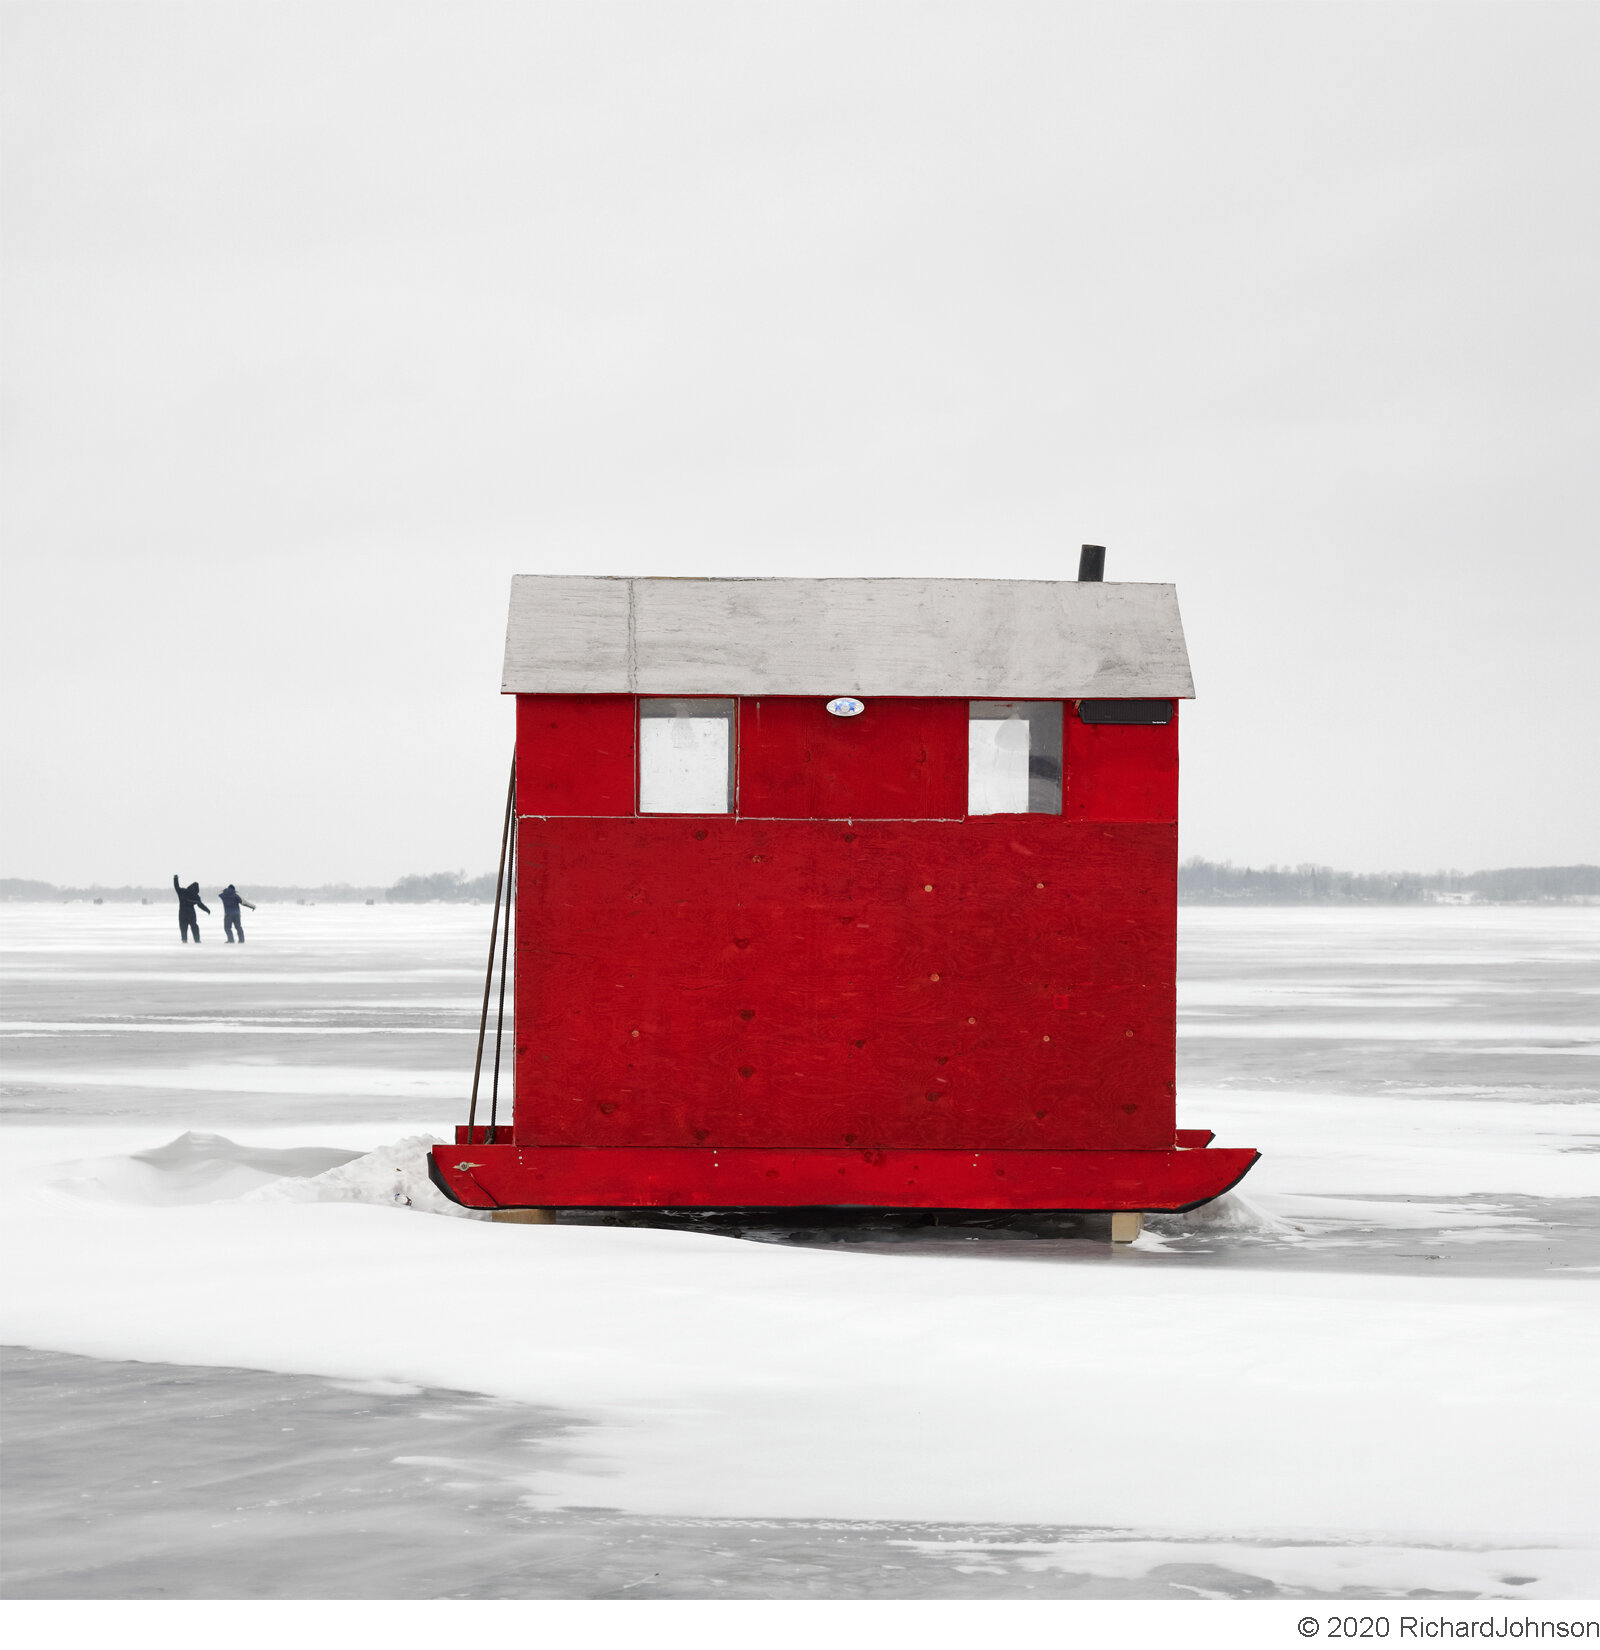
575,1177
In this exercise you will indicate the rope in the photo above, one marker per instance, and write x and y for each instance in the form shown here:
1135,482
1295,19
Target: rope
505,946
494,935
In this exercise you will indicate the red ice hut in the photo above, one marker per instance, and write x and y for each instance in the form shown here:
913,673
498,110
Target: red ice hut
844,893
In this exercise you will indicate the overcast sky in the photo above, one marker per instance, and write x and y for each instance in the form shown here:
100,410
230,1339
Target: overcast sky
321,321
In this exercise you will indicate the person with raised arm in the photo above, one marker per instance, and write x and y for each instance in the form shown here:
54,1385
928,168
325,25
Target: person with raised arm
188,899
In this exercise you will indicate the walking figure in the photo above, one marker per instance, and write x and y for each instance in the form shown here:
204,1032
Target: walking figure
231,901
188,898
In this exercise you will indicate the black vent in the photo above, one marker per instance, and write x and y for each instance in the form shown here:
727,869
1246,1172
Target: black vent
1129,712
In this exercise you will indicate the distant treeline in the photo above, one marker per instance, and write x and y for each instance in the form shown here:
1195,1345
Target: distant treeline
442,885
1200,882
1206,882
445,885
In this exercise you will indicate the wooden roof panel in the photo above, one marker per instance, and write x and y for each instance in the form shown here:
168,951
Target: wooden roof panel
1002,638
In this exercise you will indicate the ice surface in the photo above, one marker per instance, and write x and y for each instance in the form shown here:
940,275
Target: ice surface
1385,1344
742,1379
1208,1568
326,1012
242,1484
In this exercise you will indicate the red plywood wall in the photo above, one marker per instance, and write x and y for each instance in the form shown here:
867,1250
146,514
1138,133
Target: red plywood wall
900,759
843,963
725,982
1115,772
575,753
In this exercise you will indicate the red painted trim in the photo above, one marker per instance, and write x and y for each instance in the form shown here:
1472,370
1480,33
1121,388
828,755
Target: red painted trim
571,1177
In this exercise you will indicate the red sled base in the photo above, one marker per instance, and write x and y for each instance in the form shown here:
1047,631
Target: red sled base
483,1173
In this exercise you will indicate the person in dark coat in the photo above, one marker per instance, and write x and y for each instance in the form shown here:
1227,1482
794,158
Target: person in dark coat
231,901
188,898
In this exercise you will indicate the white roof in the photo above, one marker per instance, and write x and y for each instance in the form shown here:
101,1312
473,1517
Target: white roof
998,638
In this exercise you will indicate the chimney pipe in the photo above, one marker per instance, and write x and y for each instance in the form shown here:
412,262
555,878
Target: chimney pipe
1092,564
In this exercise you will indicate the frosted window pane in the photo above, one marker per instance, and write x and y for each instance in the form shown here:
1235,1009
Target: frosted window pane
997,766
683,764
1014,756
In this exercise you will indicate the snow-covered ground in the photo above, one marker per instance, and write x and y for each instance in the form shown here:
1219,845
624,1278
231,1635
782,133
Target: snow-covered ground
1372,1370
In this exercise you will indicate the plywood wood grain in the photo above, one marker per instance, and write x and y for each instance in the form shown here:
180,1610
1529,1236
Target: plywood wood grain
716,982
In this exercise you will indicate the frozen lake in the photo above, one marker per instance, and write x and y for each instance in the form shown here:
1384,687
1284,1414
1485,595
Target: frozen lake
1369,1373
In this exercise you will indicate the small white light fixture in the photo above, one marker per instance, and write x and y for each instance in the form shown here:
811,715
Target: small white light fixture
845,707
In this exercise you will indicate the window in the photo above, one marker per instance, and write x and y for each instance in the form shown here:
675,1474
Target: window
685,756
1014,756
